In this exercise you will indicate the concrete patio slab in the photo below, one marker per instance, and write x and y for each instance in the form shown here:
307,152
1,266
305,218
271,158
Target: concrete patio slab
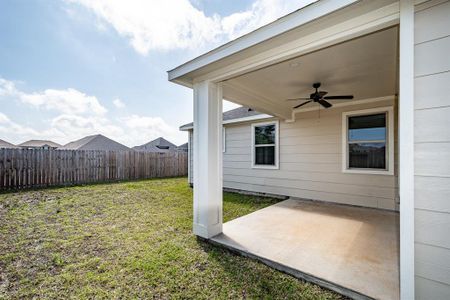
352,250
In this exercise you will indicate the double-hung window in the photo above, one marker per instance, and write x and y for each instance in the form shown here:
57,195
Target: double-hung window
368,141
265,145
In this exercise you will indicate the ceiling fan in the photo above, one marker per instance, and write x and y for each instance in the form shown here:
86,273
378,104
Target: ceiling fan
319,97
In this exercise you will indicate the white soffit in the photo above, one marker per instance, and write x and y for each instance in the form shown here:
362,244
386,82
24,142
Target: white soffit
365,67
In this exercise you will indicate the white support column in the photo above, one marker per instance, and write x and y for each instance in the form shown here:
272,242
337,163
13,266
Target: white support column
207,159
406,149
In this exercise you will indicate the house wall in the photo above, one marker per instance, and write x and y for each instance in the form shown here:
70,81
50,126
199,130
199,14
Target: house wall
310,162
432,150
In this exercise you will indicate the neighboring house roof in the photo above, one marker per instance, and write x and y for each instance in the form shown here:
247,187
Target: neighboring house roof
96,142
5,144
240,114
158,145
39,144
183,147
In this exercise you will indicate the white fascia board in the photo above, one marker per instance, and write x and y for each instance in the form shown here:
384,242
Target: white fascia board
284,24
233,121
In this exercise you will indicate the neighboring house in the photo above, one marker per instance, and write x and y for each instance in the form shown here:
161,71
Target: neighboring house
160,145
95,142
183,148
388,148
5,144
39,144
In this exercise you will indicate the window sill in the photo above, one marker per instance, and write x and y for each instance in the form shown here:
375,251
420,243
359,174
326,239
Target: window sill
268,167
368,171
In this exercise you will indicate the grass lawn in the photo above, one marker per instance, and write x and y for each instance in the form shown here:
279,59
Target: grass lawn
127,240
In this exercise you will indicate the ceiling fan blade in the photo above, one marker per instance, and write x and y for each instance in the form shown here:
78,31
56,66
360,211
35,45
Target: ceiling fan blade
322,93
325,103
295,99
302,104
338,97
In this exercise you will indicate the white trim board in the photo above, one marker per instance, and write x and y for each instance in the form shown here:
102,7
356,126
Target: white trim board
406,149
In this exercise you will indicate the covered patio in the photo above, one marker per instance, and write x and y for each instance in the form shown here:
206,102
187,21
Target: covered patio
351,250
349,240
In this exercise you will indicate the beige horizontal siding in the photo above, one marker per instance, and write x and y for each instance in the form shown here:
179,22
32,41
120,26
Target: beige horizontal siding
438,124
435,264
432,193
426,287
432,150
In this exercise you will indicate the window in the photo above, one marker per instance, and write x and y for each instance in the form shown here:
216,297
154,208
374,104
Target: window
368,141
265,145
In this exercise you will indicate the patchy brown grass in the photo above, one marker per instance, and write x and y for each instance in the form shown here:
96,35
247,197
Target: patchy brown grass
127,240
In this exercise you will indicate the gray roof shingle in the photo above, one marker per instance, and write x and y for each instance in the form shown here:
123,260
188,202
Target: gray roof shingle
39,143
5,144
96,142
157,145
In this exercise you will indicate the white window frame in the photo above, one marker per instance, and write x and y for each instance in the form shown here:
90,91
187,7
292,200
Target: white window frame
389,110
277,145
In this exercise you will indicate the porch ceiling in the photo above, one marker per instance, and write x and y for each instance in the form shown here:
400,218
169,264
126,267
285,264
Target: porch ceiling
365,67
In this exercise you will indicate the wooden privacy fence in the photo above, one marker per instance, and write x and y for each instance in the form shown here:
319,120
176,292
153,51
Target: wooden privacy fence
26,168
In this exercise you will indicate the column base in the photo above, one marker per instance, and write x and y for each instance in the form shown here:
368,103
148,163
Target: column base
207,232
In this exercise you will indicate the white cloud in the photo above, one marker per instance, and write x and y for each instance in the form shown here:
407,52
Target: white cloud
118,103
70,101
16,132
75,127
76,115
143,129
7,87
164,25
65,101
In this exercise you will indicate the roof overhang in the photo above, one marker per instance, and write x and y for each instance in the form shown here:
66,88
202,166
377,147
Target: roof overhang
302,34
287,34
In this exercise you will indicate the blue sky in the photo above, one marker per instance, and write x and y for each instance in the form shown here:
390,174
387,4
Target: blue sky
70,68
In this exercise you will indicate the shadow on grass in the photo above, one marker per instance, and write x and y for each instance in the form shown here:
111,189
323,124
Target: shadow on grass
236,205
